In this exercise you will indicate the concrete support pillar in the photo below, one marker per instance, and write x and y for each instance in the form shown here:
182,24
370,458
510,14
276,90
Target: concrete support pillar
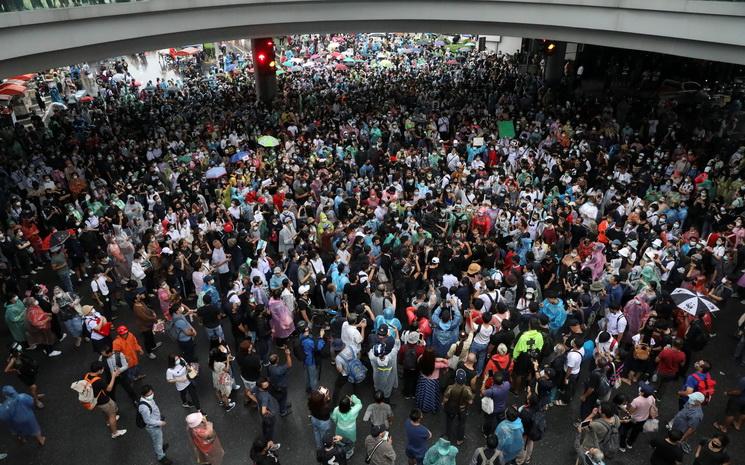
265,75
554,69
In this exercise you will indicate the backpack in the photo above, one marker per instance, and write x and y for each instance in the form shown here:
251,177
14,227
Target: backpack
139,420
538,428
705,386
200,299
642,351
494,460
356,371
454,402
172,330
604,386
84,388
611,442
410,359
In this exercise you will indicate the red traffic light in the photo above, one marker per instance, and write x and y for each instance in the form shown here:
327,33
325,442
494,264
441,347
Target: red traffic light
261,57
269,43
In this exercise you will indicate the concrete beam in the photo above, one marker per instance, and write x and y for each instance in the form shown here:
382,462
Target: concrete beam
45,38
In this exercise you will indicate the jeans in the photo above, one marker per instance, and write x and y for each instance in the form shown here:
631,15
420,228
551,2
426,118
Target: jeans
267,426
215,333
74,326
191,390
480,351
187,350
148,340
320,428
629,432
156,435
311,377
65,281
281,395
455,425
740,350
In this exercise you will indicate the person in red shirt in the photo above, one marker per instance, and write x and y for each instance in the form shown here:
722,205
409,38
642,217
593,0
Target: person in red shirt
669,362
481,223
420,317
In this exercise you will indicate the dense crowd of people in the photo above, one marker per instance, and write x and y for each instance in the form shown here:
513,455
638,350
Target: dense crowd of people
375,221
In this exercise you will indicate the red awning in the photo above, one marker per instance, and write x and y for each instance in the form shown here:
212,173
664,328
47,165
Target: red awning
22,77
12,89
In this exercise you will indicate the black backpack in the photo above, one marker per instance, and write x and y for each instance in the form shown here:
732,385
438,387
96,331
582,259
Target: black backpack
410,359
139,421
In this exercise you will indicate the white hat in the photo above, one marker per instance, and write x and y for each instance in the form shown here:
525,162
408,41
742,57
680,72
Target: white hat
657,243
363,276
435,260
167,251
624,252
194,419
303,289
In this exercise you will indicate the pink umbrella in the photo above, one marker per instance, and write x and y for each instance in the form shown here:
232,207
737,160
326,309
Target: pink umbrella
337,55
340,67
315,56
451,62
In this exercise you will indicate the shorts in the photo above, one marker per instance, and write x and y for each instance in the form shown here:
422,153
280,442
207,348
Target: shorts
109,408
734,407
250,385
27,378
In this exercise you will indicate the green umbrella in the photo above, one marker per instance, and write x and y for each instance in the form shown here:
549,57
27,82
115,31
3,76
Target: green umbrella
268,141
350,60
280,72
385,64
184,158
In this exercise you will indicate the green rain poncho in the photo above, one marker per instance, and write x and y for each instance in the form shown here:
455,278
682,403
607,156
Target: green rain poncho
15,318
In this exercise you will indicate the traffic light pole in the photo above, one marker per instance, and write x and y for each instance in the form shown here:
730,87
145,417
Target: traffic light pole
264,74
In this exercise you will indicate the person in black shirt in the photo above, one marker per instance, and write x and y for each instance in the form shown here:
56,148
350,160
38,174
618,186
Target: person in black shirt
250,365
263,452
667,451
210,314
331,453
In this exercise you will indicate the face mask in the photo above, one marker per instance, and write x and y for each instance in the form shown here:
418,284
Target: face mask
150,397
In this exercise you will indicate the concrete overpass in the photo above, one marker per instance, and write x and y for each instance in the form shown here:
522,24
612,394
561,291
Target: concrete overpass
34,40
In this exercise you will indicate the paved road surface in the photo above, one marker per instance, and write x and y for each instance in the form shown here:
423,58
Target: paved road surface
77,436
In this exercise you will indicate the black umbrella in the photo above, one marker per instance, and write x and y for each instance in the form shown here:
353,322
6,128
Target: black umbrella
59,238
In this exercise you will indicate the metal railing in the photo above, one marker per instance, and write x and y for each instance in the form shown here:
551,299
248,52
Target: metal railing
28,5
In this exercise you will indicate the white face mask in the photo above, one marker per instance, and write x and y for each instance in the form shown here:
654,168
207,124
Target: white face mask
150,397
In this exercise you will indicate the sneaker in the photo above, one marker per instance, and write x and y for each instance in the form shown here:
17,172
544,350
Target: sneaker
236,387
230,406
187,405
628,446
119,433
621,449
560,403
151,356
54,353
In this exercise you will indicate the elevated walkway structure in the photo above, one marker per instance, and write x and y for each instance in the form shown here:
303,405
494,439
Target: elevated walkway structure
43,38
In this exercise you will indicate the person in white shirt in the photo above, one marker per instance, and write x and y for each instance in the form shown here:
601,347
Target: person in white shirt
353,333
606,347
572,367
615,323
